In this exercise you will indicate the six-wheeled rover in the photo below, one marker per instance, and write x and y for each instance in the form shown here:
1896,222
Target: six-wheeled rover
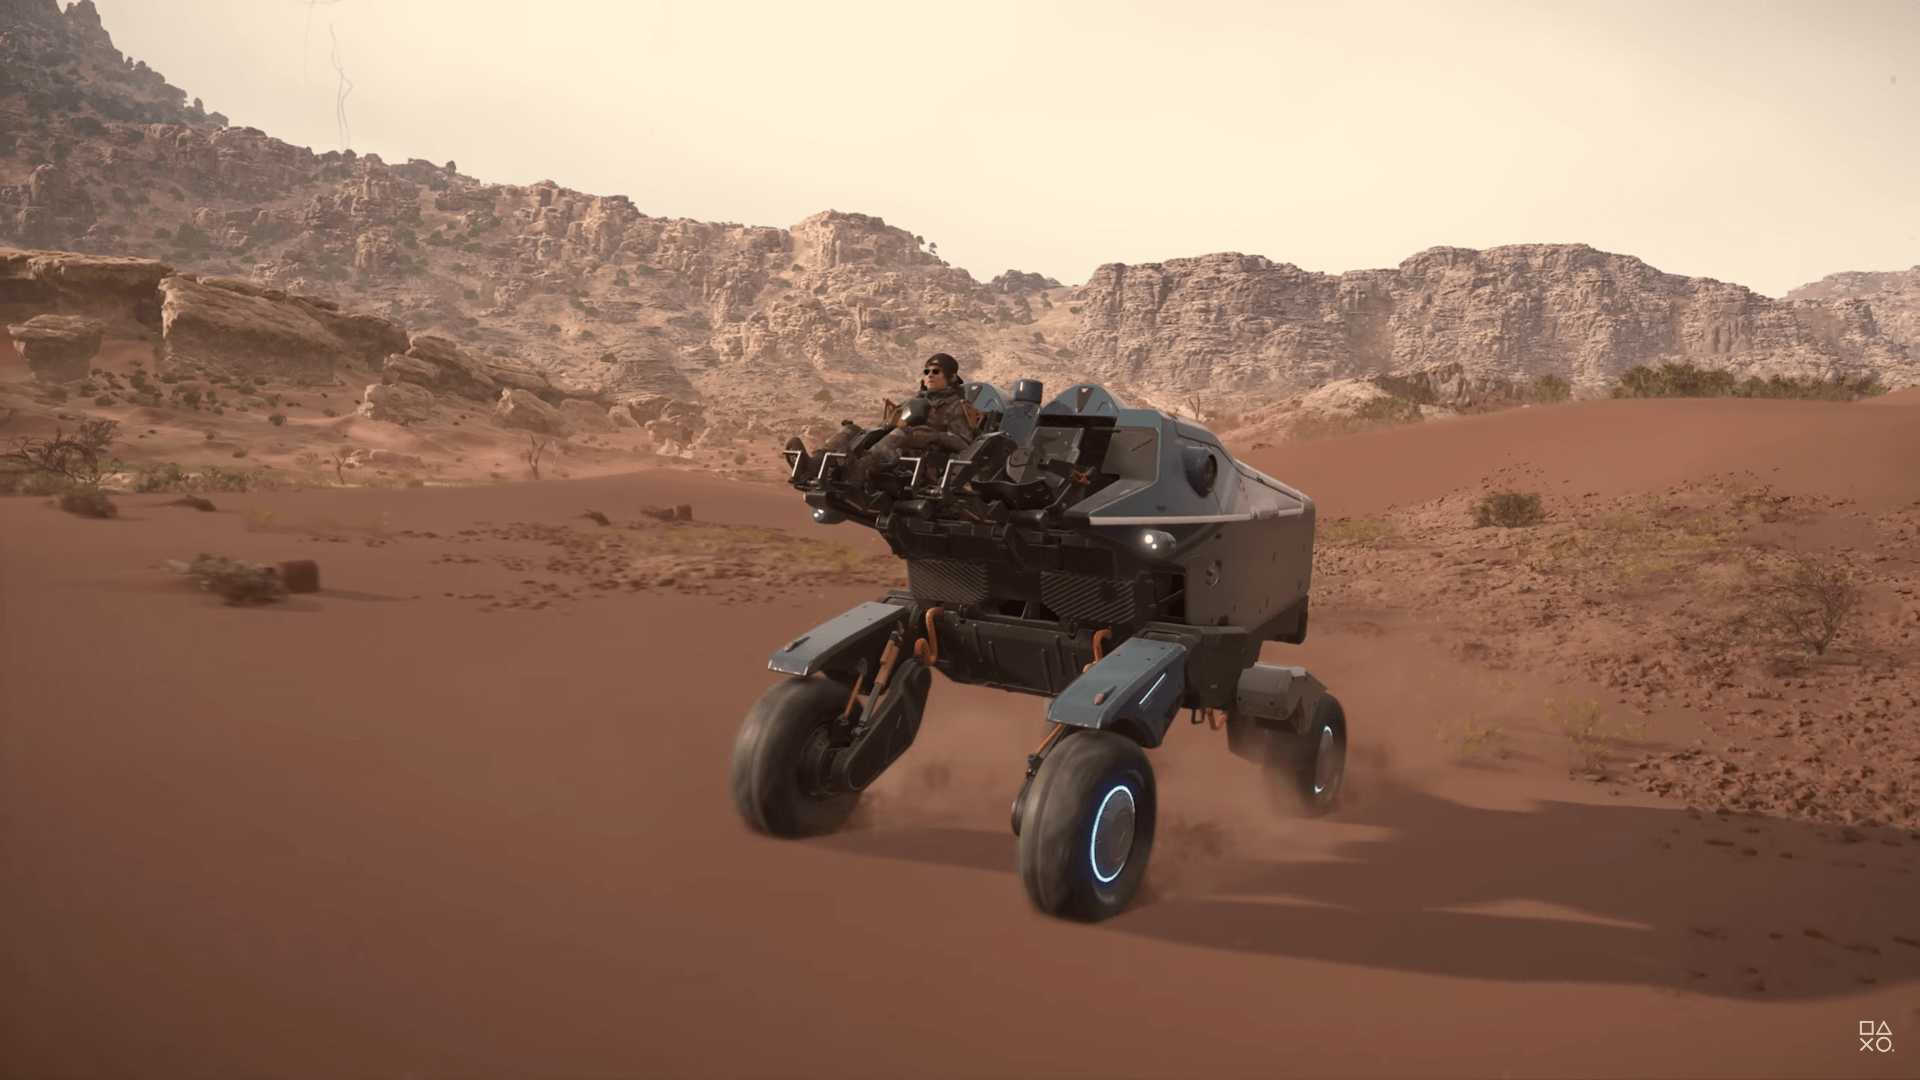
1118,561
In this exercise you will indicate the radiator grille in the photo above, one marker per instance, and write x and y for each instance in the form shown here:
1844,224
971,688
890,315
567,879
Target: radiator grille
947,581
1083,596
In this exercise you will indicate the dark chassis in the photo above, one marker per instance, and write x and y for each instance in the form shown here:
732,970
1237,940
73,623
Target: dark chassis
1116,560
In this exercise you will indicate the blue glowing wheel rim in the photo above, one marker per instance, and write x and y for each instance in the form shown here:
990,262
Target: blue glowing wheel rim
1329,761
1112,839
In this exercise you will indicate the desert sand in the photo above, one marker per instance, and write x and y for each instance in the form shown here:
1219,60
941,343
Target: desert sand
464,811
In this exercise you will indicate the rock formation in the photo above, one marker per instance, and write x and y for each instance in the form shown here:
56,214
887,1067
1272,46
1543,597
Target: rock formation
58,347
1240,323
1893,298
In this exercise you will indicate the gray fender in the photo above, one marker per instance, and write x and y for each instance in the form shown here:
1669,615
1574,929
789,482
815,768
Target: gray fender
1270,698
1134,690
841,641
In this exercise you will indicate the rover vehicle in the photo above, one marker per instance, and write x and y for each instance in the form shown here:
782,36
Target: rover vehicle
1118,561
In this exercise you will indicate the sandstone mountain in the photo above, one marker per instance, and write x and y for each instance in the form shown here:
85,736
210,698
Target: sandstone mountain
251,253
1894,298
1237,323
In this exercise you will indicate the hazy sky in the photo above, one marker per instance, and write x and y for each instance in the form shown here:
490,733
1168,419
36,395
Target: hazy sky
1764,143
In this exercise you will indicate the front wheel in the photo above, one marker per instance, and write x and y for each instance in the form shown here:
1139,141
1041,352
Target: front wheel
777,755
1087,827
1309,769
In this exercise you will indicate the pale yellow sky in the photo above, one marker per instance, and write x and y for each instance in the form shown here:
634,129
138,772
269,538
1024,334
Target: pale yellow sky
1768,144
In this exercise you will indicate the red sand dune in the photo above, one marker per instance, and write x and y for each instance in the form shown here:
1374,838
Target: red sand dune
384,830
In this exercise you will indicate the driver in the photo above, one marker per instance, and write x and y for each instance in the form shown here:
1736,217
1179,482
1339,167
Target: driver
949,424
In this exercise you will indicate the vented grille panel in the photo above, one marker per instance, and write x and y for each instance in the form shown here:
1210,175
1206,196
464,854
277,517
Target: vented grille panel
1081,596
947,581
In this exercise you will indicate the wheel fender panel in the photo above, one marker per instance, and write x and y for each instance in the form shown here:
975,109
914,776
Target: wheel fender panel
1135,690
851,633
1279,698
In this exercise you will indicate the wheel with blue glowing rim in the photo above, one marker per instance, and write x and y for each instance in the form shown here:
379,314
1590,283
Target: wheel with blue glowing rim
1087,826
1309,769
774,786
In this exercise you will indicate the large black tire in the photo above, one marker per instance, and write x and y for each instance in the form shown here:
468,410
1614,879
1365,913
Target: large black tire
1086,829
770,782
1307,771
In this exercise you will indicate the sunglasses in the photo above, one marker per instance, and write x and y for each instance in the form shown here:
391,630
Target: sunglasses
934,371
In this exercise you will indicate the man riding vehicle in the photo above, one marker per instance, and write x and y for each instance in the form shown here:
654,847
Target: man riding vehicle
940,417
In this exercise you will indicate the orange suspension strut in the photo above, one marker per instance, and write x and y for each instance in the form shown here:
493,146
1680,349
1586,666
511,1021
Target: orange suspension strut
1098,640
928,648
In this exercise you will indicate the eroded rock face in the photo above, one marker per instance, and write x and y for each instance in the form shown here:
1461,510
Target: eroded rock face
397,403
248,331
584,415
120,293
522,409
1244,323
59,348
407,369
1893,298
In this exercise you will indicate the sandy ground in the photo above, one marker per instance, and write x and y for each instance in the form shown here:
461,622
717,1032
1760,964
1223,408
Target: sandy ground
464,811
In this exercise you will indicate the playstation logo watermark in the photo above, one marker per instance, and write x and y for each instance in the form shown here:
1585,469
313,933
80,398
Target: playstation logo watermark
1877,1037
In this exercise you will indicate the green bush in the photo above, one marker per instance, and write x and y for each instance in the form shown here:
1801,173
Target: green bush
1508,510
1391,410
1685,380
1551,389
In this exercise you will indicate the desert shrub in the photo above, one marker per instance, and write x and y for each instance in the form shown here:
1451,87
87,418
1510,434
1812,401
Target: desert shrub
823,395
18,481
1359,531
90,503
1584,727
1551,389
73,458
1468,738
56,394
1685,380
1389,410
103,400
240,452
239,582
1800,605
1508,510
277,419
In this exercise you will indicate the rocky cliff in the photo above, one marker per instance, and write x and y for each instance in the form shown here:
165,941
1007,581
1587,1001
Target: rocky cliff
1894,298
1239,323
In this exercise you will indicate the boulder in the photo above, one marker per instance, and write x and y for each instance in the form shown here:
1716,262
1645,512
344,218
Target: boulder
397,403
59,348
247,332
586,416
522,409
622,417
459,372
403,368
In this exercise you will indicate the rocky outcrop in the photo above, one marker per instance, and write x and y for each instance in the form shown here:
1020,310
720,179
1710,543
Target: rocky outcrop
242,327
120,293
1017,282
397,403
1893,297
58,347
522,409
1239,323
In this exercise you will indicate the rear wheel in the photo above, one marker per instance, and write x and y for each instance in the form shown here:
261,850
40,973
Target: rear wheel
1087,825
1308,770
777,758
